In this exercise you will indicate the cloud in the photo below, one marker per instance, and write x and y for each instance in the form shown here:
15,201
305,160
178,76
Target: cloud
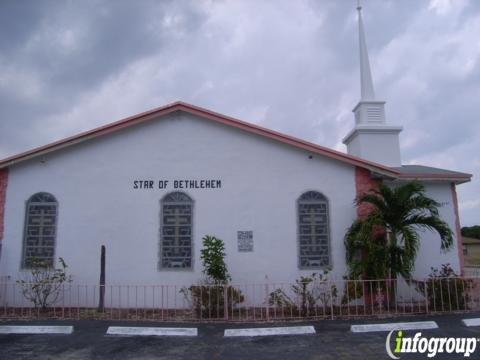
470,204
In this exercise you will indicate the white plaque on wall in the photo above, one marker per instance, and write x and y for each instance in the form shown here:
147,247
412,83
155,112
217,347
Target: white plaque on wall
245,241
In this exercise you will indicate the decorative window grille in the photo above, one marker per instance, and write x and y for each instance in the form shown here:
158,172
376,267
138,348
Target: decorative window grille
40,229
176,231
313,230
245,241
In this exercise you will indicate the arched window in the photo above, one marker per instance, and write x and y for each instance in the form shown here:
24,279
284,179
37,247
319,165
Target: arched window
176,231
40,229
313,230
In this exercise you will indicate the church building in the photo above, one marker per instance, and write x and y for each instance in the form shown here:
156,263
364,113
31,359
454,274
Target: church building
150,186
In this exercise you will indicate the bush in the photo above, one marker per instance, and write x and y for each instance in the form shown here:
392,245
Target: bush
213,257
307,293
211,301
472,231
43,284
214,296
445,290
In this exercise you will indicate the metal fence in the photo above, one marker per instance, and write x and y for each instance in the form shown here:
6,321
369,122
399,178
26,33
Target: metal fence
472,271
319,299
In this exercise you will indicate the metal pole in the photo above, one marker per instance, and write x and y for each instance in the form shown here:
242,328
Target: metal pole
101,301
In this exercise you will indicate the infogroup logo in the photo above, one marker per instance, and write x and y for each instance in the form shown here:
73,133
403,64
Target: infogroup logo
429,346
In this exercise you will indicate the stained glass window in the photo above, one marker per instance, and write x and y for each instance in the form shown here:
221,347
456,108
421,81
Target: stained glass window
176,231
40,229
313,230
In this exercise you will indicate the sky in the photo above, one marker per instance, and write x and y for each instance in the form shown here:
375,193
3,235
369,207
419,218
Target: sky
292,66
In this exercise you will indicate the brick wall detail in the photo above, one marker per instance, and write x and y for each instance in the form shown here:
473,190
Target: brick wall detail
364,183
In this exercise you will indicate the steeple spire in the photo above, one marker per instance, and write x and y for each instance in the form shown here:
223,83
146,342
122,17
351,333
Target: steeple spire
369,110
366,83
371,138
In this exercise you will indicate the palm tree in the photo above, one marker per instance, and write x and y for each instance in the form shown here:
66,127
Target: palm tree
384,244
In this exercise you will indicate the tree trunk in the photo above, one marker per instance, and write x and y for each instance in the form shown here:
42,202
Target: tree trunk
392,278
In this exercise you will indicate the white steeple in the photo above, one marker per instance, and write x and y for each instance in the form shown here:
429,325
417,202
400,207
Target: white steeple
371,138
366,83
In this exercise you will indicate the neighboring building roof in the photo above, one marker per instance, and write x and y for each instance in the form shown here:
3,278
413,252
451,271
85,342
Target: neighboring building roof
420,172
389,172
470,241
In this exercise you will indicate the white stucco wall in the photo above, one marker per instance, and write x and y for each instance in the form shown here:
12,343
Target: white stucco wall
379,146
430,254
261,181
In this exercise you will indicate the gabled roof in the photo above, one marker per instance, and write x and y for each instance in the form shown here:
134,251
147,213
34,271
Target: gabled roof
470,241
201,112
383,170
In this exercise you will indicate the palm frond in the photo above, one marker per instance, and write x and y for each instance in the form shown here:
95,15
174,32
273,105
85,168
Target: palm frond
433,223
402,211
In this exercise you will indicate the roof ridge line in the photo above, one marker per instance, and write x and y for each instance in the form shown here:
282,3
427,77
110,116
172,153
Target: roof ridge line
202,112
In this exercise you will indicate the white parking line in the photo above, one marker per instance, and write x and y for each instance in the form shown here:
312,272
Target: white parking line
471,322
151,331
17,329
419,325
291,330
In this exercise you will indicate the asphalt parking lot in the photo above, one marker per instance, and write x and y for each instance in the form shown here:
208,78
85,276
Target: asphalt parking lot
332,340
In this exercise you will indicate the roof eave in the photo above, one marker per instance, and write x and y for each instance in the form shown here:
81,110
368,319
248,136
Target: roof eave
87,135
464,178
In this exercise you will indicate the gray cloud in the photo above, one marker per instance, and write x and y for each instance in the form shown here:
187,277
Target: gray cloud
288,65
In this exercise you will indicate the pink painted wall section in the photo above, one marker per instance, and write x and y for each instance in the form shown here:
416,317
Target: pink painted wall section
364,183
3,195
458,231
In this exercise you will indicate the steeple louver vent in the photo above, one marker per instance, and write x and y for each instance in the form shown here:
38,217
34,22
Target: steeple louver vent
374,114
370,112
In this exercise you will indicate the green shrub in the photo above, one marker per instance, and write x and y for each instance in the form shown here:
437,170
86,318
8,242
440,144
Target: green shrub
213,257
214,296
472,231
